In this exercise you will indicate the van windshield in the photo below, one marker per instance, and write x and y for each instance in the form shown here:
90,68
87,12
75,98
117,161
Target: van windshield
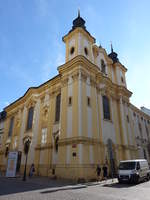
127,165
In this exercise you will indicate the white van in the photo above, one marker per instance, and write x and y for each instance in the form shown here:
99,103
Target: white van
133,171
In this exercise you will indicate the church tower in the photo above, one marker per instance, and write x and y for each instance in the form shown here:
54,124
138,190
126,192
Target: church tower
78,41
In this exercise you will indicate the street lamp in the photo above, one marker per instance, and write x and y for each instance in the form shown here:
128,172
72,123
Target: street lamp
26,150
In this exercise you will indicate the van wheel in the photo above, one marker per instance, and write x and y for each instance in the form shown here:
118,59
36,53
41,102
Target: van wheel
120,181
148,177
136,180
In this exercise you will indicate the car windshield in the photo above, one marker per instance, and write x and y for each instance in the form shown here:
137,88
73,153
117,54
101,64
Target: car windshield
127,165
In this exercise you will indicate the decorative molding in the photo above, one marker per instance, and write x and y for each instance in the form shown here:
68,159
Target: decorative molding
93,82
75,76
43,147
80,140
83,76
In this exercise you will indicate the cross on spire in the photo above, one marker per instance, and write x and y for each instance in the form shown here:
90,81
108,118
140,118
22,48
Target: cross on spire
78,12
111,47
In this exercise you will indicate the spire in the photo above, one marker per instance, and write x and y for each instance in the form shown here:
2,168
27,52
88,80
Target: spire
113,55
111,47
78,12
100,46
78,22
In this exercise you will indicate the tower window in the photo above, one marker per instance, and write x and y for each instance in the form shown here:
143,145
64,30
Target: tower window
30,118
86,51
57,113
122,79
72,50
106,108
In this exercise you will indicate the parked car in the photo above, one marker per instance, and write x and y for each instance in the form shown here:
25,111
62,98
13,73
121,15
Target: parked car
133,171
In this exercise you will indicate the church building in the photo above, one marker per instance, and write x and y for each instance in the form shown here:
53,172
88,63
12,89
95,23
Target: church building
78,119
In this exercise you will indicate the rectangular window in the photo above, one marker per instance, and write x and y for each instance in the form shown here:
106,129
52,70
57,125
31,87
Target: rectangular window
11,127
127,118
44,136
88,101
70,101
30,118
57,114
106,109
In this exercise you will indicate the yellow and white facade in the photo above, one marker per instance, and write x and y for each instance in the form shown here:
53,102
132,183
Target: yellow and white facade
72,146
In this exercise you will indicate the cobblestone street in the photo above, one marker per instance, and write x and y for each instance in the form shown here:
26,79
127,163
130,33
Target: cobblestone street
45,188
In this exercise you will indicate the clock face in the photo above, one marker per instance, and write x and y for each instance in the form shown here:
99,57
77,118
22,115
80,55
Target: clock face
72,50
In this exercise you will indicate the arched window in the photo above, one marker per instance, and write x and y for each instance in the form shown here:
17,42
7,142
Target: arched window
140,129
147,132
103,66
30,118
106,108
6,151
57,113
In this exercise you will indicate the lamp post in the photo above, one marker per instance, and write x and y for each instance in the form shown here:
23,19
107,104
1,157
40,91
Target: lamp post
26,150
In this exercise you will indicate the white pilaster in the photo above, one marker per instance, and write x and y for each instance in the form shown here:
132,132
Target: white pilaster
35,131
80,105
80,146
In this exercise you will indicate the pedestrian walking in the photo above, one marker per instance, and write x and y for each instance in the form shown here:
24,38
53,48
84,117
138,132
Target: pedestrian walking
98,171
32,170
105,172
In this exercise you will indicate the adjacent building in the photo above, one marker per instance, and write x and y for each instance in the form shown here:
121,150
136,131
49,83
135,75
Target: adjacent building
80,118
145,110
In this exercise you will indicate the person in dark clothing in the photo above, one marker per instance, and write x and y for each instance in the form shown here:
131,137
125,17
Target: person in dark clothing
32,170
105,172
98,171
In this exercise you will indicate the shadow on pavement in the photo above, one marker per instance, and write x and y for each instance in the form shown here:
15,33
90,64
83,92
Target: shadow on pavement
16,185
119,185
62,189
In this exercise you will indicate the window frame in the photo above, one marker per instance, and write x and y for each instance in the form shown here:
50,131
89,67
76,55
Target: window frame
30,118
57,107
70,101
106,108
43,136
88,101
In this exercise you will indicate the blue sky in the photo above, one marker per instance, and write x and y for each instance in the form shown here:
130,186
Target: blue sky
31,46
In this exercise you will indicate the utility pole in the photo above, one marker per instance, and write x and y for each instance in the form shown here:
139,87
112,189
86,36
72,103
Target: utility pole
26,151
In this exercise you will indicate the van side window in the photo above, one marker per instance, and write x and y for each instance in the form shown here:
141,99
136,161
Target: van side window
138,166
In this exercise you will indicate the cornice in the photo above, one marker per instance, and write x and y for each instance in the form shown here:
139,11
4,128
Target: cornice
79,140
76,62
76,31
31,91
118,64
